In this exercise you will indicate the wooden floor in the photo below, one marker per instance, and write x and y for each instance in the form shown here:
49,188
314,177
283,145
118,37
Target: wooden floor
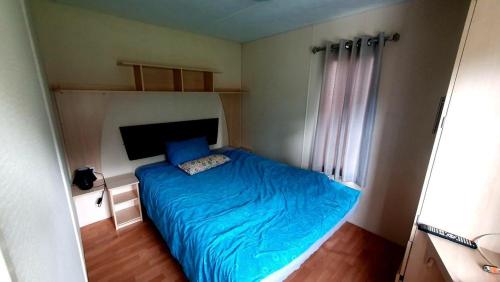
138,253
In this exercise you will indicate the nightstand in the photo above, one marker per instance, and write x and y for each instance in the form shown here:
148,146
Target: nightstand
124,199
85,204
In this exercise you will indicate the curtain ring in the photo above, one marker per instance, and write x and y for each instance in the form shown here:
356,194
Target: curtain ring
348,44
358,42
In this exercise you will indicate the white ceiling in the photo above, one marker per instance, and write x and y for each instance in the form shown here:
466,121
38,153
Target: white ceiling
237,20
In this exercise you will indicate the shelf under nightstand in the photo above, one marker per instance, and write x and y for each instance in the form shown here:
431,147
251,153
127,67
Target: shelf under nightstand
124,198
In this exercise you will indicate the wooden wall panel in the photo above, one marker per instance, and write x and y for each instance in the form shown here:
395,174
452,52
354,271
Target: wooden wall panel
158,79
193,80
424,263
231,102
139,80
81,118
208,81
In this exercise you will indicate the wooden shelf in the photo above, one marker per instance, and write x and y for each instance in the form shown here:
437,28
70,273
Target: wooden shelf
121,180
157,77
229,91
123,192
128,216
124,197
140,92
152,65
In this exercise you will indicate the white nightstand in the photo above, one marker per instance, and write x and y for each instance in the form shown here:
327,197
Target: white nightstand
124,199
85,204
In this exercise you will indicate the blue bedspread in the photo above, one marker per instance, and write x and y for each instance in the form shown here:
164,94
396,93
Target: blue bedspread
243,220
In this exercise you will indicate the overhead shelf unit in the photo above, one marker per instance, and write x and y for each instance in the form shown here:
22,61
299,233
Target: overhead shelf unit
159,78
154,77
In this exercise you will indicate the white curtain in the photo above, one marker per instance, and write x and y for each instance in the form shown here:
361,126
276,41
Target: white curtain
347,109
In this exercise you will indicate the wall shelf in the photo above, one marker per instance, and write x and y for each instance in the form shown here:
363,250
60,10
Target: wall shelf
127,216
124,197
141,92
152,65
156,77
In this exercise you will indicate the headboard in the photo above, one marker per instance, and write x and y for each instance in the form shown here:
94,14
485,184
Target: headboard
148,140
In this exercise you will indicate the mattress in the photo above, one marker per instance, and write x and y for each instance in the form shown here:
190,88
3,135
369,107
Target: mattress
295,264
247,220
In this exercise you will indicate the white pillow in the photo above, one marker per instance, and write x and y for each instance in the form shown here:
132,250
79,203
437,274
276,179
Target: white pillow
196,166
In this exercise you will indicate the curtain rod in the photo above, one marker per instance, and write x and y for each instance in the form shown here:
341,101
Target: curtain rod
348,45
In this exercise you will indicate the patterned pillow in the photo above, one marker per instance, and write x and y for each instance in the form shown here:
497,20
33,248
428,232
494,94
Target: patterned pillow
202,164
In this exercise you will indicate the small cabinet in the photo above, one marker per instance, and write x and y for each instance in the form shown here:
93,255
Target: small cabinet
125,200
85,204
424,262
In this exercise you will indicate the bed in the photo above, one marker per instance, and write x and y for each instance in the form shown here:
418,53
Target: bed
250,219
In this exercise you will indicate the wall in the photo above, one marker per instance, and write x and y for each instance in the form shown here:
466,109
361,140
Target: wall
279,114
80,49
276,72
38,235
4,271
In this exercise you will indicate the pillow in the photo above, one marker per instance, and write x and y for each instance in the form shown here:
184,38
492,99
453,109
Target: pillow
187,150
205,163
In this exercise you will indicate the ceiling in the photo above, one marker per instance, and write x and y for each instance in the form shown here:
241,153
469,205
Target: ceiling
237,20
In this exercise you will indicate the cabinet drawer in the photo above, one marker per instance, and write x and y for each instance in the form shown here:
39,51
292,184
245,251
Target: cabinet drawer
424,262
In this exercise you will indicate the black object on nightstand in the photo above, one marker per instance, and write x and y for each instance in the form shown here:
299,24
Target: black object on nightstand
84,178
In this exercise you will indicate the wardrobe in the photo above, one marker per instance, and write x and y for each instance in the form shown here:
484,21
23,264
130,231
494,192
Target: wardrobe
461,192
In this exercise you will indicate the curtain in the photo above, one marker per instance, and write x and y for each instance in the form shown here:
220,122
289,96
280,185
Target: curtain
347,110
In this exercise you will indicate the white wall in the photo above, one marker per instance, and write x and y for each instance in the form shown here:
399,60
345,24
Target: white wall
4,270
38,234
80,48
284,80
276,71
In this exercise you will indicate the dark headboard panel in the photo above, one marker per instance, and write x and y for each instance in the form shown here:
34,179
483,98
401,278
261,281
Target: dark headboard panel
148,140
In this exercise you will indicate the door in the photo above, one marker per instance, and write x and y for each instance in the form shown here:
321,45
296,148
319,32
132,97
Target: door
423,261
463,190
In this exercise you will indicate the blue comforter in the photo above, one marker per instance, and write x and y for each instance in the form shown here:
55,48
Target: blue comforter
243,220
